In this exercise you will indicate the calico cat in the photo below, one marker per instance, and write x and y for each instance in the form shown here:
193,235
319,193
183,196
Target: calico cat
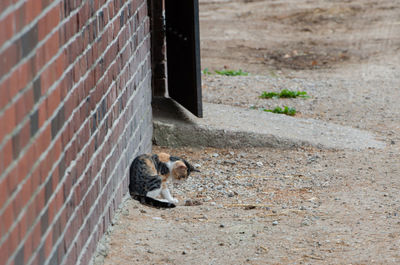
149,175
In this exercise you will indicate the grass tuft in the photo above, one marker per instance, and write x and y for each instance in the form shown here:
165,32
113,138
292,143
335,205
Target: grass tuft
206,71
286,110
284,94
231,72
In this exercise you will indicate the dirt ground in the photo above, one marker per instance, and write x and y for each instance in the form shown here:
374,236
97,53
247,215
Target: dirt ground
295,206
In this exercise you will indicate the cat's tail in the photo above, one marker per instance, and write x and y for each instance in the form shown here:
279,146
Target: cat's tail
152,202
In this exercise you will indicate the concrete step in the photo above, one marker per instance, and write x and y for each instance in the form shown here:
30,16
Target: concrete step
235,127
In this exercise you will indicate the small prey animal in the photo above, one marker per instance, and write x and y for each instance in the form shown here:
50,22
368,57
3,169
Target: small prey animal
149,175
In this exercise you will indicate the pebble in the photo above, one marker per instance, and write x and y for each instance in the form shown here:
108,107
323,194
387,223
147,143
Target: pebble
275,223
259,164
192,203
306,222
215,155
206,199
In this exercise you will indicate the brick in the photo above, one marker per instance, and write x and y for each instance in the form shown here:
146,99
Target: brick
34,123
9,58
24,137
28,41
40,59
4,98
7,218
53,101
42,114
6,28
20,18
52,73
28,249
43,140
37,89
7,154
48,245
48,22
19,258
33,9
57,122
36,237
24,196
51,47
45,3
44,222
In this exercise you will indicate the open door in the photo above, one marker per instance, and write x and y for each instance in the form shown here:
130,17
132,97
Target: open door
183,53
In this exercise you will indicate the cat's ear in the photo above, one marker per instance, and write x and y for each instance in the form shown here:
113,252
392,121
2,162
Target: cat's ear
182,167
190,167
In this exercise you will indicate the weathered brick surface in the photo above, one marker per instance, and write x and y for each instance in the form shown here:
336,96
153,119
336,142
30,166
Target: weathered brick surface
75,93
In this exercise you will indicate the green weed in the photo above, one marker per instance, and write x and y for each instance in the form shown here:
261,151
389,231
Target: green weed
285,94
231,72
206,71
286,110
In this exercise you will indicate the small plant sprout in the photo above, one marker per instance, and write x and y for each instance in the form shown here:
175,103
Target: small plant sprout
286,110
231,72
206,71
284,94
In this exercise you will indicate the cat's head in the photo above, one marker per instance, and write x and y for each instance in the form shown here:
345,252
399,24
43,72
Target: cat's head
181,170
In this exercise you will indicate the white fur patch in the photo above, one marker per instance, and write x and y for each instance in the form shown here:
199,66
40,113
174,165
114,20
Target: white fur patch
167,195
170,165
154,193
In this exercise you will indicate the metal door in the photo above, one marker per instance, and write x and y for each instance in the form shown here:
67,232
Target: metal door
183,53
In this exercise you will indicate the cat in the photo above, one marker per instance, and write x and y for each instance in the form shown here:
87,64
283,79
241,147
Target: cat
149,174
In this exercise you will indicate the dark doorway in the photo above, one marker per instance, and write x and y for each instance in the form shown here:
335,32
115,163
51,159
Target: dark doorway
183,53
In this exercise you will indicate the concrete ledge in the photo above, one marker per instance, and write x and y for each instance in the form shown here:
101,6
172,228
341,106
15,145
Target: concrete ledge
228,126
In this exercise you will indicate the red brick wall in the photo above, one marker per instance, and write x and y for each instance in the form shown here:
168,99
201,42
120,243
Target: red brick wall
75,92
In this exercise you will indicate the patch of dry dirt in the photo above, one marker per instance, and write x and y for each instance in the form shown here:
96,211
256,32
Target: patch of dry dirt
299,206
262,35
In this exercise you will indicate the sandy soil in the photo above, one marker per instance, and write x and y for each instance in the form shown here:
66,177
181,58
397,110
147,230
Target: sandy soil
273,206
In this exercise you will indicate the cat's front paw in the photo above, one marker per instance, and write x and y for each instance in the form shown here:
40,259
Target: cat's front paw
173,200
